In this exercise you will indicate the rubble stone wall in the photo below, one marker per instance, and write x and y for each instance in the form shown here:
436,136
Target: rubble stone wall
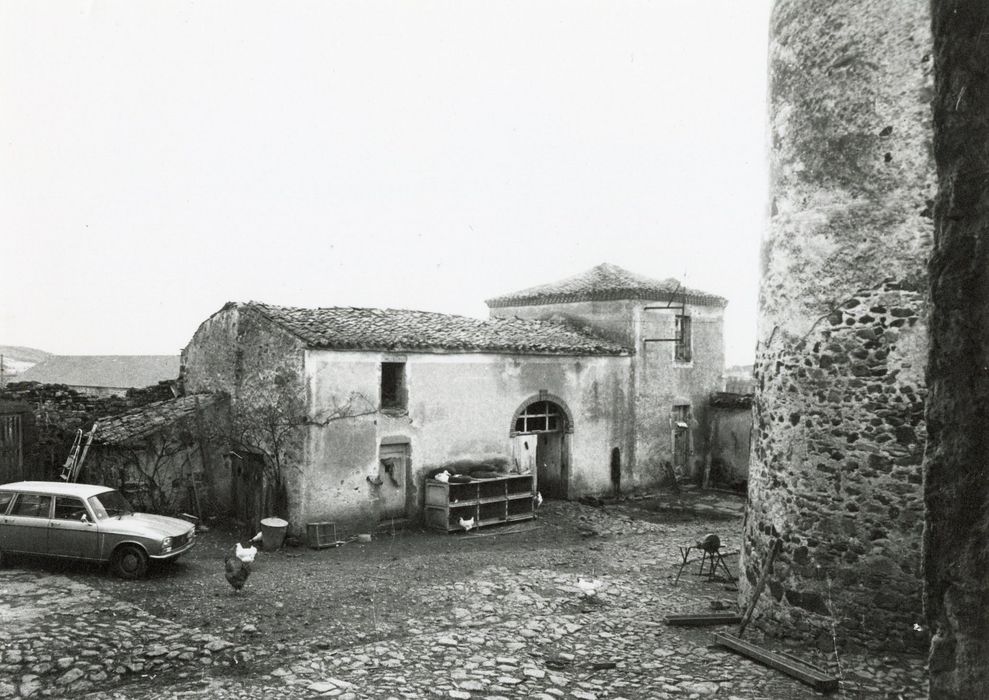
839,432
838,442
57,411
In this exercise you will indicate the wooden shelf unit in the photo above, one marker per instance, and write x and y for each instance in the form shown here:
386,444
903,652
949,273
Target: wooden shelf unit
492,501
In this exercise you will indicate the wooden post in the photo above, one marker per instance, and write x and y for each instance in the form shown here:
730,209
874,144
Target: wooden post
777,544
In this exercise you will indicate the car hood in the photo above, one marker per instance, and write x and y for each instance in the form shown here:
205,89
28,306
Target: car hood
146,525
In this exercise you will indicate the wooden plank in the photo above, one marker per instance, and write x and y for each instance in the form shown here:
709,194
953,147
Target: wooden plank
802,671
703,619
777,545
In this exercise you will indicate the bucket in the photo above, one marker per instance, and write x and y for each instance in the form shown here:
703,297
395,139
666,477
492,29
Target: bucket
272,533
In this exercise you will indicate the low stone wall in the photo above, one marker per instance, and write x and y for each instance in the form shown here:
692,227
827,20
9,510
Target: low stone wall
836,474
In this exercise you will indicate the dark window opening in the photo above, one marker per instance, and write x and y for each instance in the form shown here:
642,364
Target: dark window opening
393,393
682,335
32,505
67,508
540,417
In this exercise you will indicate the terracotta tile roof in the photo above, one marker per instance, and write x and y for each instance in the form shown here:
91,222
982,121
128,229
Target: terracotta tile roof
397,330
150,418
603,283
111,371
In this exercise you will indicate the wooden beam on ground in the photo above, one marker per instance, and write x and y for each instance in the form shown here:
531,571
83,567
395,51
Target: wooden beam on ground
791,666
703,619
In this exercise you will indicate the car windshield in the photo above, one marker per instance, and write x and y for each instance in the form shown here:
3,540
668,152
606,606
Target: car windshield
109,504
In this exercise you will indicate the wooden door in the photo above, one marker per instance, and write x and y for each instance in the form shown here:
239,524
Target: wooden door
393,472
247,486
552,467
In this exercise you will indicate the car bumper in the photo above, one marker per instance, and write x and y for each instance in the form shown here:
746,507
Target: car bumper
175,552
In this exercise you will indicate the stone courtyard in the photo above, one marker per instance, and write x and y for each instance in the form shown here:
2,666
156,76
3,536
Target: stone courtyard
571,606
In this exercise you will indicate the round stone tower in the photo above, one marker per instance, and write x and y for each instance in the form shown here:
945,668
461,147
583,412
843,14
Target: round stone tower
836,471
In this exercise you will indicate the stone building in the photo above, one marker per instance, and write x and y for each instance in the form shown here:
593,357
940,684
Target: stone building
677,340
835,474
348,410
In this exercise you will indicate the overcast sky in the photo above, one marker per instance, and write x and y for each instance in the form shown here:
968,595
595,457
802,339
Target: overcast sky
163,158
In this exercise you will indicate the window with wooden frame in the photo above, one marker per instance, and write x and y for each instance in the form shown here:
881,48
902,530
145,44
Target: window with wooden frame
540,417
394,396
681,351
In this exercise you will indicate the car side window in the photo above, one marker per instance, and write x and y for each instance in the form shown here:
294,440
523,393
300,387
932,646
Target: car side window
68,508
32,505
5,498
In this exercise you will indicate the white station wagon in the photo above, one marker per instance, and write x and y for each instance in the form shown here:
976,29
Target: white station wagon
87,522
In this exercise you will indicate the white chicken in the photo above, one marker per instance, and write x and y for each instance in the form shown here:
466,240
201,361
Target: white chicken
246,554
588,588
539,499
257,537
443,476
468,525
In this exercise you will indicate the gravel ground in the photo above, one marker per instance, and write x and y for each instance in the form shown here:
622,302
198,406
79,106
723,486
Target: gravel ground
568,606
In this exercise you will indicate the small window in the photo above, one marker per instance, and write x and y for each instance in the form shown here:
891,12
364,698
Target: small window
68,508
5,498
682,335
393,394
32,505
681,415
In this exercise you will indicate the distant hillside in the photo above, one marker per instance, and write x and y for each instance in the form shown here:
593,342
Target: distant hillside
20,354
17,359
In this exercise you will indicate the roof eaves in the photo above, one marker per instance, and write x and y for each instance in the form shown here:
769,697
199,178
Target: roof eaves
604,295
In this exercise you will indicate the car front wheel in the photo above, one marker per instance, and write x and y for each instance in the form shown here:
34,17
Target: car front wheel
129,561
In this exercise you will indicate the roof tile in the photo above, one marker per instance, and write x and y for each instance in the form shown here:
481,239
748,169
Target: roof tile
146,420
398,330
602,283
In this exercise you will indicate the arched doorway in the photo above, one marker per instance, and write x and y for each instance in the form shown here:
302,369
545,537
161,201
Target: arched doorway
540,441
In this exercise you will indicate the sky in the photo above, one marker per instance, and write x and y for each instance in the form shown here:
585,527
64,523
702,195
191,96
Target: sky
163,158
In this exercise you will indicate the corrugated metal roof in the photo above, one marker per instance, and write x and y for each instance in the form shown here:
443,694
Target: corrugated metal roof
111,371
603,283
398,330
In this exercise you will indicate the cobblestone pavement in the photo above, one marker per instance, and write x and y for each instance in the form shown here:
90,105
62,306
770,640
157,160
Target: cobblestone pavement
502,632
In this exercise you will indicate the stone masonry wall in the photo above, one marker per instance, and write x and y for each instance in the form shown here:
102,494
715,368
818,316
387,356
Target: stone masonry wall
840,423
839,434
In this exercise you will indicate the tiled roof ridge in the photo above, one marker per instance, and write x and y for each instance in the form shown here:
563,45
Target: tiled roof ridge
604,282
354,327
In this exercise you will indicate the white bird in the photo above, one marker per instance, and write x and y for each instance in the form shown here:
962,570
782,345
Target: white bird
588,588
539,499
257,537
443,476
247,554
467,524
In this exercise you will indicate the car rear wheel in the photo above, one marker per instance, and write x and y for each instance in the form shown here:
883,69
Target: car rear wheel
129,561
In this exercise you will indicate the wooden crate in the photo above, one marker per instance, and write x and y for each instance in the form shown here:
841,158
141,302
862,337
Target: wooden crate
321,535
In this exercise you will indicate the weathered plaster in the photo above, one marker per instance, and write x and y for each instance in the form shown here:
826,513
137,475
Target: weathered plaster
459,407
